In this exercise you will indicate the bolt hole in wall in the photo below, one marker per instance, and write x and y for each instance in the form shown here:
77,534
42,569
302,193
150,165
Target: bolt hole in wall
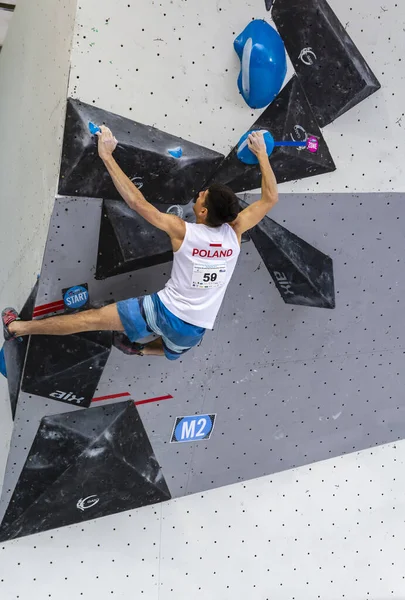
295,371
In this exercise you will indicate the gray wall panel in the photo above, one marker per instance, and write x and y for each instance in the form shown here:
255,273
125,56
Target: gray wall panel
289,385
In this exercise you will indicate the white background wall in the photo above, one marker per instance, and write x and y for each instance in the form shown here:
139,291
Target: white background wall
5,18
34,70
332,530
172,64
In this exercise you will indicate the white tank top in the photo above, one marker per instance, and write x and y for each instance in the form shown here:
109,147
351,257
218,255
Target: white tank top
202,268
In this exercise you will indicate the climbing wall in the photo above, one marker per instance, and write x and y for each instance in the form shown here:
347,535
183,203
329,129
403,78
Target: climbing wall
279,385
288,385
188,52
34,74
198,437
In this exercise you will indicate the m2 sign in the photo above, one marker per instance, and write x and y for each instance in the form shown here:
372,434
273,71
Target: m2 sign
193,429
76,297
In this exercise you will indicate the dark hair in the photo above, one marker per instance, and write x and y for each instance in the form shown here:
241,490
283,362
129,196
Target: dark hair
222,205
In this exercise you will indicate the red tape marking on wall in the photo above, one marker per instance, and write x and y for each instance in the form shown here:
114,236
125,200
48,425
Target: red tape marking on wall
48,308
124,394
137,402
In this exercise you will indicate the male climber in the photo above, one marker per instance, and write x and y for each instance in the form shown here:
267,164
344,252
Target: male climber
205,254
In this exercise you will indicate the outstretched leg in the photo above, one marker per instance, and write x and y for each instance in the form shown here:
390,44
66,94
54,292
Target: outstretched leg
96,319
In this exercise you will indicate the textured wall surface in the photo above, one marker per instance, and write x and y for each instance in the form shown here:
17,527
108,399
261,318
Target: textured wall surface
5,19
34,72
332,530
180,57
290,385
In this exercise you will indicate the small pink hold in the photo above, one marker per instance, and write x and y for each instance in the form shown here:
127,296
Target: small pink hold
312,144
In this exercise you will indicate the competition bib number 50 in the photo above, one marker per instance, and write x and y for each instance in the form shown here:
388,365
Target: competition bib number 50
209,276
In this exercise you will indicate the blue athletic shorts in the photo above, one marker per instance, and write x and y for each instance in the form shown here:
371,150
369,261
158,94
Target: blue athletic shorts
147,314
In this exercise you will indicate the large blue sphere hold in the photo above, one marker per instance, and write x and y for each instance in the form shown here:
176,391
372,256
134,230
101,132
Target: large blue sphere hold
263,63
245,155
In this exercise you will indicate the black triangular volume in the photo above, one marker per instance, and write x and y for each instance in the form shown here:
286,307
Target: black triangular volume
84,465
288,118
128,242
331,69
66,368
15,352
142,153
302,274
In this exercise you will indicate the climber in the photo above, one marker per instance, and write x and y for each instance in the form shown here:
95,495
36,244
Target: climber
205,254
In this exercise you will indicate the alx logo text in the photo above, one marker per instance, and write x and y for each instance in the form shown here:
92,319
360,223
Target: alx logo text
66,396
283,282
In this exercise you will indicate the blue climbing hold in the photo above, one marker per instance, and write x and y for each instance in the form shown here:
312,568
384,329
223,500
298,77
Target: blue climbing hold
3,369
94,128
176,152
263,63
245,155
